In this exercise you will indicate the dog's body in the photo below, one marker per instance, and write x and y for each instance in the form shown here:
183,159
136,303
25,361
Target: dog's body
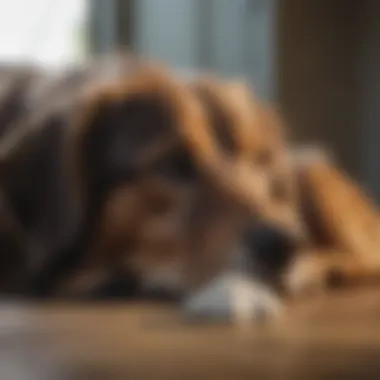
342,223
119,177
118,171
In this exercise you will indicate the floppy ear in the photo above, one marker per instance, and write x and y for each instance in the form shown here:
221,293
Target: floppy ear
127,126
121,137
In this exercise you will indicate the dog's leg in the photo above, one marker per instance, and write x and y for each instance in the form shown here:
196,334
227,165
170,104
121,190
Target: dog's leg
318,270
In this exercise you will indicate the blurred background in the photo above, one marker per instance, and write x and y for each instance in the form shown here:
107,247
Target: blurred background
317,59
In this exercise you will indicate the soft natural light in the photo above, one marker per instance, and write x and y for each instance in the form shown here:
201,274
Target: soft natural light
50,32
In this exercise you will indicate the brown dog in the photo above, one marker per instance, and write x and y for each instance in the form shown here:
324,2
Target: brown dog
122,168
175,172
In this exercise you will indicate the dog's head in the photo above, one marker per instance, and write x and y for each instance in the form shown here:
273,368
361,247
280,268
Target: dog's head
174,171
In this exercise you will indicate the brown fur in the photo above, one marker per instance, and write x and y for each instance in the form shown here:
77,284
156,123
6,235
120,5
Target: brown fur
152,222
260,161
343,224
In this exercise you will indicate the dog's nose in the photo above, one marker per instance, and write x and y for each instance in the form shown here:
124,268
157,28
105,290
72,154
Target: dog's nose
270,245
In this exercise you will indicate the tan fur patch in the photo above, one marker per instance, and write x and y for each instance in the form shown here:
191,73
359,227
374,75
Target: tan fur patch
262,155
348,217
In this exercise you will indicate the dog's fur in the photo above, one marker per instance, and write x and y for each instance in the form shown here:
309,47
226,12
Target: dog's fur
122,171
342,223
185,200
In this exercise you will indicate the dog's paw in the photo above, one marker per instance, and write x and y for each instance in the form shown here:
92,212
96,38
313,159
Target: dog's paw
235,298
306,276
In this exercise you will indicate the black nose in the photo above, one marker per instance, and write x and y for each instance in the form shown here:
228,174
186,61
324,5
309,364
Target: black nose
269,248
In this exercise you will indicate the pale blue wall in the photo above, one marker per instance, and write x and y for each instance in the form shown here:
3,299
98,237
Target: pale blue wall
233,37
168,30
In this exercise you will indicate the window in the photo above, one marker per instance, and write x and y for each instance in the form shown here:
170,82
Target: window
48,32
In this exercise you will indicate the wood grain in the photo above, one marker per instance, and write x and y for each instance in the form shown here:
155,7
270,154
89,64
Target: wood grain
329,337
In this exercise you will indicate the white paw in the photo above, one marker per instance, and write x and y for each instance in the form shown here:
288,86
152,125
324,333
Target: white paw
233,297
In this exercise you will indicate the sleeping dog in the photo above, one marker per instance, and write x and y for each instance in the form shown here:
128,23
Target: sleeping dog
121,176
121,170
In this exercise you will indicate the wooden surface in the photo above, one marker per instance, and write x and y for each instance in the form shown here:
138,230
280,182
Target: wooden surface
335,337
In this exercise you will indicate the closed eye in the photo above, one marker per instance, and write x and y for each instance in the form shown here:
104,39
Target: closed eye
279,190
264,158
176,166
